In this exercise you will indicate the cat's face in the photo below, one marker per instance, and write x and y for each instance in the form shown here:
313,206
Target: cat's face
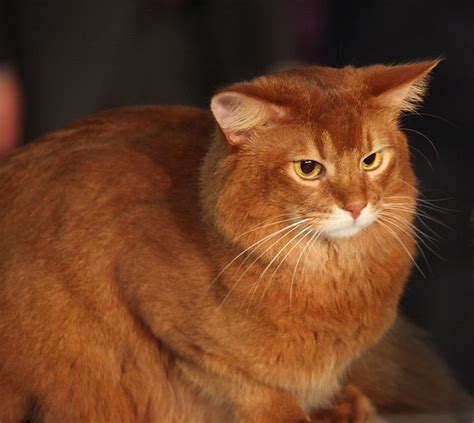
323,159
335,175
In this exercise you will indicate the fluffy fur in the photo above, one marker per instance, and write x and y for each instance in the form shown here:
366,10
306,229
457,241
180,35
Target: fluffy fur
155,266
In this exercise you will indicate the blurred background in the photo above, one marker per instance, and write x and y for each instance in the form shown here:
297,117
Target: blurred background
60,60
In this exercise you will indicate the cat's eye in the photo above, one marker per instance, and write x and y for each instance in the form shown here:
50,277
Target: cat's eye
308,169
372,161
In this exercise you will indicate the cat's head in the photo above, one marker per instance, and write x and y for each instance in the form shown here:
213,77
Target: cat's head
316,150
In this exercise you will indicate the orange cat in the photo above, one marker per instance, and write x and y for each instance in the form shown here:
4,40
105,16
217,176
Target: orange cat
155,267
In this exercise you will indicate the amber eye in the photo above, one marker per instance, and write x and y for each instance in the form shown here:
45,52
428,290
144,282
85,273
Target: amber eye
372,161
308,169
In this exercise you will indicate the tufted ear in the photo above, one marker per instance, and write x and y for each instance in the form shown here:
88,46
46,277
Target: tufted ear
399,87
238,114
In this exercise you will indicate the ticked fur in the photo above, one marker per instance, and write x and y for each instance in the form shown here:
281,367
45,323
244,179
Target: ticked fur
155,266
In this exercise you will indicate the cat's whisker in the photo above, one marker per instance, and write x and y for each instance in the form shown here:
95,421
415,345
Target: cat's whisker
242,222
421,199
406,229
425,137
435,208
424,157
253,246
421,216
418,233
278,216
311,249
436,236
411,208
391,231
424,204
292,228
282,221
314,237
421,114
304,232
418,212
415,189
255,285
267,225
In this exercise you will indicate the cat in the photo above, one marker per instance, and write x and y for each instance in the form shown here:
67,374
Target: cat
171,264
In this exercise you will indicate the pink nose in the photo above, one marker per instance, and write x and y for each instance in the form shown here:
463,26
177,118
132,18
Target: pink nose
355,209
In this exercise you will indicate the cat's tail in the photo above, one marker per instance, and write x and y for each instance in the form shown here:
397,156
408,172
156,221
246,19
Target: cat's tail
403,374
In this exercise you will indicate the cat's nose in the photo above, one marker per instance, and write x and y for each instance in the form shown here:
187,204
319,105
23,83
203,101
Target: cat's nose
355,209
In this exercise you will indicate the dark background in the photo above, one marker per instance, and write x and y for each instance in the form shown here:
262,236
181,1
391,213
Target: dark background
73,58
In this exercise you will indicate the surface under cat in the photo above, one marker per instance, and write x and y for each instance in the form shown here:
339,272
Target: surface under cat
171,264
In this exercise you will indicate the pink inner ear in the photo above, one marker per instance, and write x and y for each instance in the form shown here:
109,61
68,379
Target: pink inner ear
225,107
238,114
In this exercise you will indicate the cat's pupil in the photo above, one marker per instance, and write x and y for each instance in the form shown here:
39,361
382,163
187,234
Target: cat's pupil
307,166
369,159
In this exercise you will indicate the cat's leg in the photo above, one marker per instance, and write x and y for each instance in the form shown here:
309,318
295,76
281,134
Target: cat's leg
263,405
352,406
253,402
250,401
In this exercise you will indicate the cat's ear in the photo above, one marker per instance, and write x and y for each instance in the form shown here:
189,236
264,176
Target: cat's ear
400,88
238,114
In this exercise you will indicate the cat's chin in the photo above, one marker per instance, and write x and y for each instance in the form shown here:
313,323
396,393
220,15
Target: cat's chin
343,232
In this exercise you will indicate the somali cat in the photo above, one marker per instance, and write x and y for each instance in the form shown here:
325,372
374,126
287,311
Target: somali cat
166,264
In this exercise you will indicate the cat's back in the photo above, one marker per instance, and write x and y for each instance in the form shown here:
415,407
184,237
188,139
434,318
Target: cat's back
125,153
163,135
73,196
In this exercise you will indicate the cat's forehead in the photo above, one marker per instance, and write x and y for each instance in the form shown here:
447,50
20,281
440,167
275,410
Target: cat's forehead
329,146
338,118
341,134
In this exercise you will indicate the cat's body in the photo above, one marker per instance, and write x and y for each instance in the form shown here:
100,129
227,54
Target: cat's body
92,222
124,291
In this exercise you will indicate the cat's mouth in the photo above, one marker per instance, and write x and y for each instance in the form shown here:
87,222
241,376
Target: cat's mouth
340,224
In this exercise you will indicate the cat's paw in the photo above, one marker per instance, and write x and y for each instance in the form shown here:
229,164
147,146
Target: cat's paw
352,407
